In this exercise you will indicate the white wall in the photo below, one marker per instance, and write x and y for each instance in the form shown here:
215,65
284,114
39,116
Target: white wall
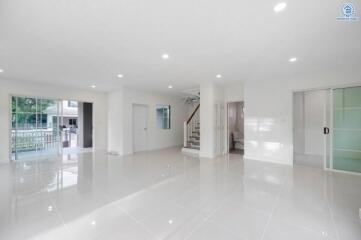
116,121
268,115
268,123
234,92
298,123
121,122
11,87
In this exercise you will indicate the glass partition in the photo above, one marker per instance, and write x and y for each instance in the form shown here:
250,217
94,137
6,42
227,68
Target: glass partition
347,129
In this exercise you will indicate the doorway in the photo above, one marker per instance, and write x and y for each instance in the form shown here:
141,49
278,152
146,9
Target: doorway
311,128
77,118
235,123
140,127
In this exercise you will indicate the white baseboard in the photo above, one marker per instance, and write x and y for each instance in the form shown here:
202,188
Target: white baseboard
245,157
191,152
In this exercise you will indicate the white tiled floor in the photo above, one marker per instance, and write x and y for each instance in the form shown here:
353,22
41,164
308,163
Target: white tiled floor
165,195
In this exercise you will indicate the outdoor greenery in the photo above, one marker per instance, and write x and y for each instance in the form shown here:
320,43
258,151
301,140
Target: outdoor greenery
30,105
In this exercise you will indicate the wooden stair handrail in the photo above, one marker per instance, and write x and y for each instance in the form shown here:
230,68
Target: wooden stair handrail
194,112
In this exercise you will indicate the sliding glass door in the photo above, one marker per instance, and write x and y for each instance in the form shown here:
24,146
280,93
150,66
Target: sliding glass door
35,127
346,147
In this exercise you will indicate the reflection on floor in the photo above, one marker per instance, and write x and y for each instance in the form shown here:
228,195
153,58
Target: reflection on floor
236,151
165,195
45,154
315,161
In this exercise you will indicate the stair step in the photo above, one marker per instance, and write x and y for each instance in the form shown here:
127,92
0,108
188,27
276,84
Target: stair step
194,143
191,151
195,147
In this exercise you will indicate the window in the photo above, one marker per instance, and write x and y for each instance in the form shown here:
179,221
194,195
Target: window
163,116
72,121
33,129
72,104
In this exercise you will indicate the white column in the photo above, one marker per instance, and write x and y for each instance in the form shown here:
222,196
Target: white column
211,94
80,123
116,122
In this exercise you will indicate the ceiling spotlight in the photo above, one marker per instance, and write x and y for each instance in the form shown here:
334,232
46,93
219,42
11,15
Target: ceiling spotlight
293,59
50,208
165,56
1,70
120,75
218,76
93,86
170,86
93,223
280,7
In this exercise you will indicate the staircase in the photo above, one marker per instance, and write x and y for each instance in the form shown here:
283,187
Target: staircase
192,133
193,140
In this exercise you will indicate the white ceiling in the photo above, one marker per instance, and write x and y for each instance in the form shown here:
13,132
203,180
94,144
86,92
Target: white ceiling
84,42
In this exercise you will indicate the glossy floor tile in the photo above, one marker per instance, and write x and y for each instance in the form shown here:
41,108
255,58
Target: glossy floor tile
166,195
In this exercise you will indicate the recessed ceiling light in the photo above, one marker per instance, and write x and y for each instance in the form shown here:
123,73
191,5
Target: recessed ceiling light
1,70
165,56
50,208
170,86
292,59
218,76
120,75
93,223
93,86
280,7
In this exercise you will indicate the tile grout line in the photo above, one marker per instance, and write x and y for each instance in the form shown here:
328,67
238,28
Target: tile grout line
332,217
56,209
272,212
137,222
204,218
207,219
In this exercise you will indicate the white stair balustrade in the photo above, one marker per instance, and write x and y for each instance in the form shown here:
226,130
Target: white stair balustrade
192,130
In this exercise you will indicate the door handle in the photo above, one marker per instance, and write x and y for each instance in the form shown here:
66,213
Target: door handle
326,130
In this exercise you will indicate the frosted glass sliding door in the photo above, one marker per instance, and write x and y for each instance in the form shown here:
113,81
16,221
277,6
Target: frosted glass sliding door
347,129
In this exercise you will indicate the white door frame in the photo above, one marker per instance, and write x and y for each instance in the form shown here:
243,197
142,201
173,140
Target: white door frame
324,157
133,126
227,126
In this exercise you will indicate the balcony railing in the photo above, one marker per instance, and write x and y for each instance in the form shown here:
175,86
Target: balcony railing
31,140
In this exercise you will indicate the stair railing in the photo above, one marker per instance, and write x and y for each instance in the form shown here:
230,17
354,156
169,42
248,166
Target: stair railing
190,125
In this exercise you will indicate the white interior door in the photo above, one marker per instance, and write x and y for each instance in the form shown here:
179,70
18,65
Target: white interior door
140,127
311,117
